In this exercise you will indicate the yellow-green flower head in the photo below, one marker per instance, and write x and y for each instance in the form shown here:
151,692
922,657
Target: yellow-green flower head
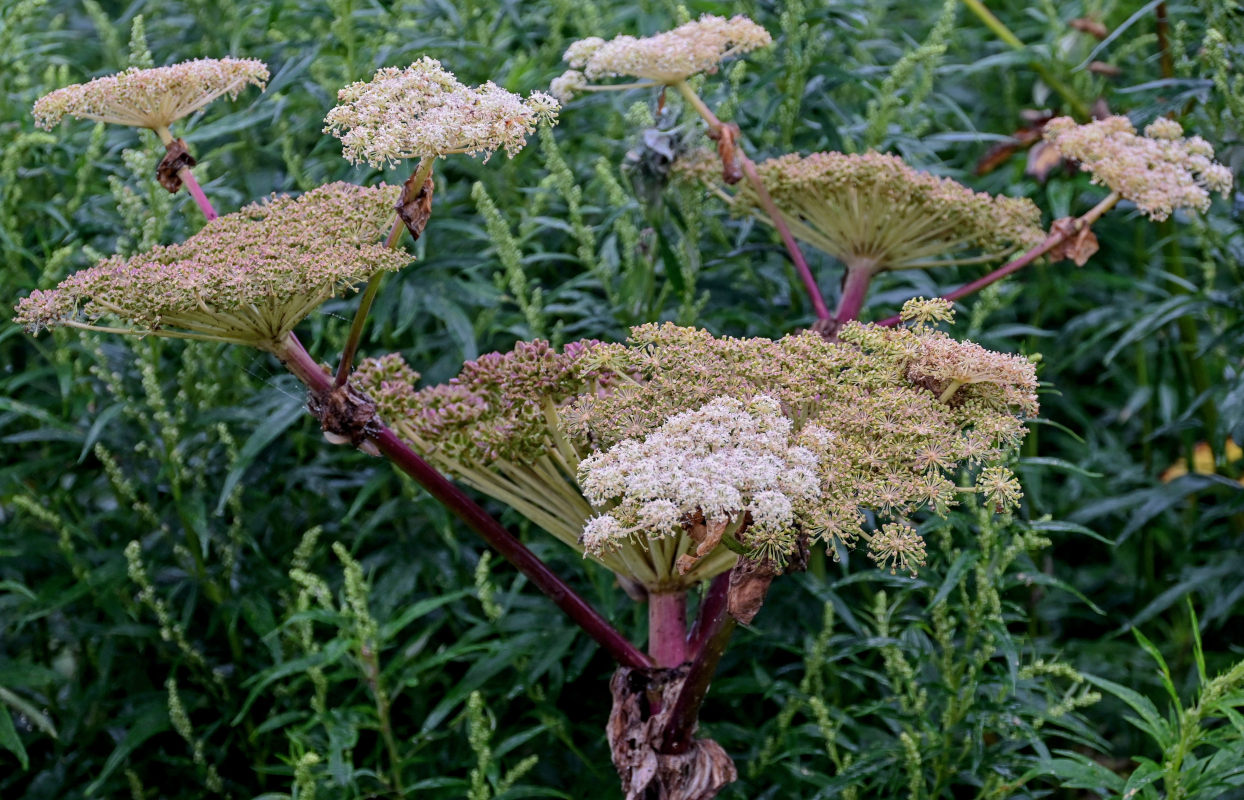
424,111
246,278
1159,171
666,58
151,98
874,211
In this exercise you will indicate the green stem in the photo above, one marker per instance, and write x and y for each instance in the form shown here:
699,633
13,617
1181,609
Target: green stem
1078,106
1189,340
373,286
371,665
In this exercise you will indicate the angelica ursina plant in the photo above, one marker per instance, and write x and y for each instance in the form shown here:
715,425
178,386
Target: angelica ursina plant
689,465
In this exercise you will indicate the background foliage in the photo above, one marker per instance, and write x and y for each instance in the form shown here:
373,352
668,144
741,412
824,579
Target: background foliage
192,584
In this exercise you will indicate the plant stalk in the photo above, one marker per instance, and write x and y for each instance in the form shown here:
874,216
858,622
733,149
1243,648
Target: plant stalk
766,202
708,641
373,285
667,628
188,180
854,290
299,362
1051,241
1078,106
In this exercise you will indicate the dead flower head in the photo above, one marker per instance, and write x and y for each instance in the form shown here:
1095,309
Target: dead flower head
151,98
424,111
1159,171
248,277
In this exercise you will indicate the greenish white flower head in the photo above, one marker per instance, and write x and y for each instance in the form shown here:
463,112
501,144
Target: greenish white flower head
1159,171
248,277
666,58
423,111
728,463
151,98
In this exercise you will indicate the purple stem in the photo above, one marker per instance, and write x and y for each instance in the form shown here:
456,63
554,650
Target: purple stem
715,126
299,362
1051,241
667,628
854,290
196,191
788,239
708,641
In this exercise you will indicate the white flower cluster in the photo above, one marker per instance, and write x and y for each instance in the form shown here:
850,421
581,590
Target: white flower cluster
424,111
727,462
1159,172
151,98
666,58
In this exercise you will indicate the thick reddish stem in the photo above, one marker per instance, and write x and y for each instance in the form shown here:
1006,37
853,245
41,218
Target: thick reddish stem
196,191
712,633
299,362
667,628
854,290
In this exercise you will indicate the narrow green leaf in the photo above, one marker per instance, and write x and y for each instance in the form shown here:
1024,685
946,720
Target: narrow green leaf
10,741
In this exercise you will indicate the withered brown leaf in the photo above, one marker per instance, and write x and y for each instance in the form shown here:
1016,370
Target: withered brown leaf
727,136
1043,158
176,157
1092,27
415,205
1079,245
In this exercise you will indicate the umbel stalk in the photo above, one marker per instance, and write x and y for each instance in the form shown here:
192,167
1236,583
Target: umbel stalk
1053,240
187,178
300,363
716,128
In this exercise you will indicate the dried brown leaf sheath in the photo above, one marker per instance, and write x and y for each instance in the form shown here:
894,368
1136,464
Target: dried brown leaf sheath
176,158
699,773
726,136
415,205
1079,245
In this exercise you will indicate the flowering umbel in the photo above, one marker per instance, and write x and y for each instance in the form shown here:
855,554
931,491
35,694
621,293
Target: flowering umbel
424,111
1159,171
667,456
248,277
873,211
666,58
881,432
151,98
726,465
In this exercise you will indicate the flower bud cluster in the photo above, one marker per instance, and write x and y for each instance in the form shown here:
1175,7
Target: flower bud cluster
424,111
727,463
151,98
1159,171
494,409
248,277
666,58
873,210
